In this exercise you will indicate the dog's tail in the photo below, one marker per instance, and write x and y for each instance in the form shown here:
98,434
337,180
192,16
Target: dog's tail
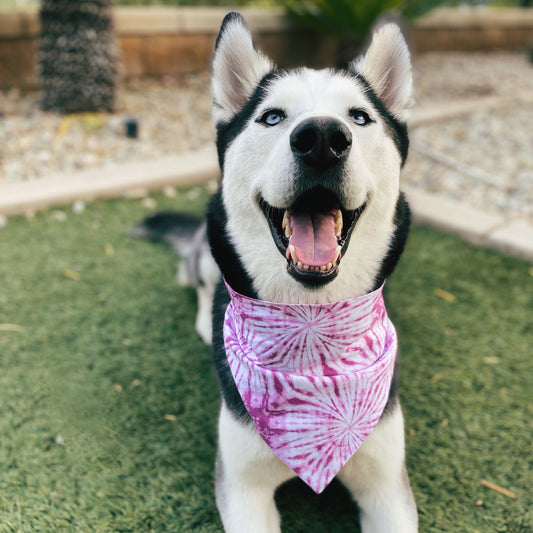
187,235
176,229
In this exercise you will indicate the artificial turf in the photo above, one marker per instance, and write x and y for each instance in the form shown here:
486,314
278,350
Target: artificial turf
109,405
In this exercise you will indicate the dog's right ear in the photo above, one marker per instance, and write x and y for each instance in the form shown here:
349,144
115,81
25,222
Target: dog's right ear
237,68
386,66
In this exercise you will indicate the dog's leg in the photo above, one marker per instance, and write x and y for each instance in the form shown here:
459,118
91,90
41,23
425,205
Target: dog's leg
205,291
377,478
247,475
203,324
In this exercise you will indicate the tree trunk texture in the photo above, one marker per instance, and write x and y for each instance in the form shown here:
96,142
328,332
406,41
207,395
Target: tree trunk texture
77,56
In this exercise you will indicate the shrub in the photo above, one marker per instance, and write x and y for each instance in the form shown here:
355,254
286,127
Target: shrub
77,58
352,17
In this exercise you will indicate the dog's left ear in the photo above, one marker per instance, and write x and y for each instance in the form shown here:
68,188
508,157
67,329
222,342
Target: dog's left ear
386,66
237,68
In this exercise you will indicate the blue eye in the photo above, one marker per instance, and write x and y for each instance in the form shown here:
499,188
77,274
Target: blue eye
360,117
272,117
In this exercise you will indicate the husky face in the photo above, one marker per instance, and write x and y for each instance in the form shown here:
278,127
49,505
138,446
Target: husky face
311,163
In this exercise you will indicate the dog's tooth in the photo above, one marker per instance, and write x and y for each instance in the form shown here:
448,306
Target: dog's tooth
285,224
305,267
286,220
323,268
292,251
329,266
338,223
299,264
337,255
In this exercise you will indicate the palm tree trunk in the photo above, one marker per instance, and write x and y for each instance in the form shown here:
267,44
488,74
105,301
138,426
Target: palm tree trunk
77,56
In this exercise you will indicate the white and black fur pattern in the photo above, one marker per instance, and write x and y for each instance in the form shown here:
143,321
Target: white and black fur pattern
259,165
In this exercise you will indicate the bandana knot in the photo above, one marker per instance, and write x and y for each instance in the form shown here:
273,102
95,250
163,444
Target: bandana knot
314,378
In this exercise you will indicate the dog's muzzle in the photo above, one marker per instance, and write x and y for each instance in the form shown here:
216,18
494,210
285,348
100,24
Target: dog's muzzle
313,231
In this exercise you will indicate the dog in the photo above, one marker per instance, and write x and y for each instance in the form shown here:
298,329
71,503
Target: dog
306,227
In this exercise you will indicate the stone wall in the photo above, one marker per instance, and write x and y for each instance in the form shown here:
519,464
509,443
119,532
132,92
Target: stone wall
170,41
473,29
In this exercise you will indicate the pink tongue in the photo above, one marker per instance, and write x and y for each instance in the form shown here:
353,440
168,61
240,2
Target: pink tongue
313,237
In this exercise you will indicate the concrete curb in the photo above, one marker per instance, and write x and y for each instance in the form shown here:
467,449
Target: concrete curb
472,225
112,181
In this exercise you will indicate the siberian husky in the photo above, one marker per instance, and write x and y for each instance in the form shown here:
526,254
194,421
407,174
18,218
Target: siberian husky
308,216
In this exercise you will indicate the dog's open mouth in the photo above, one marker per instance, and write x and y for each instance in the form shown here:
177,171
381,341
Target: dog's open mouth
312,234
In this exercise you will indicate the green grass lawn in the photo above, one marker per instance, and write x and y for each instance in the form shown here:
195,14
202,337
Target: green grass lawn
109,403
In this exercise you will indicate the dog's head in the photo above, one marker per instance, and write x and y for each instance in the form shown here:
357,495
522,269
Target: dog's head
311,163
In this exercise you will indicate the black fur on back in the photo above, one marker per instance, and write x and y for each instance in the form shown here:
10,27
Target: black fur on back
402,222
237,277
223,251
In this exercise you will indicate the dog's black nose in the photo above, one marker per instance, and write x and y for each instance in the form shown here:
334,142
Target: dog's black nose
321,142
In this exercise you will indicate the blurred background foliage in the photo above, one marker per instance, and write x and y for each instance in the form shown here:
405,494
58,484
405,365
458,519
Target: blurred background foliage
354,17
34,4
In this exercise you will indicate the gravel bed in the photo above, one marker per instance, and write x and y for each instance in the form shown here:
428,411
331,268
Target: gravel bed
484,159
173,115
444,76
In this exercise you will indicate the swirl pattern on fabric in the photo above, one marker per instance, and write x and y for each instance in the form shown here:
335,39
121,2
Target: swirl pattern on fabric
314,378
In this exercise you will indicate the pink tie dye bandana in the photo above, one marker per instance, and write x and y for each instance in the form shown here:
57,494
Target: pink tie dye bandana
314,378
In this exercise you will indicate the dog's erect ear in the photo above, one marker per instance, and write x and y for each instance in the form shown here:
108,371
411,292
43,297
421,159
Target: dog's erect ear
386,66
237,68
